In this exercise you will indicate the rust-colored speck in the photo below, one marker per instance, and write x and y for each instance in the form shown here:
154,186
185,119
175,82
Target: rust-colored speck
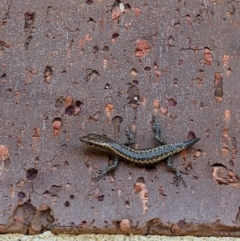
208,58
3,152
109,109
116,12
125,225
57,125
142,47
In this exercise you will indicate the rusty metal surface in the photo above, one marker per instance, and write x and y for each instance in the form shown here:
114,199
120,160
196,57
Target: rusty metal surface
68,68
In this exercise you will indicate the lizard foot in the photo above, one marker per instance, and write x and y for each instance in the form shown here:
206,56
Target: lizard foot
101,174
178,179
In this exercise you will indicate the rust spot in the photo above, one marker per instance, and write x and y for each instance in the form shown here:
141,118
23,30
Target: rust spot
138,186
163,110
3,152
198,154
125,225
223,176
68,101
225,151
208,58
133,72
170,41
105,61
48,72
142,47
109,109
157,73
116,12
137,12
142,192
226,133
227,115
225,59
156,104
88,37
57,125
229,71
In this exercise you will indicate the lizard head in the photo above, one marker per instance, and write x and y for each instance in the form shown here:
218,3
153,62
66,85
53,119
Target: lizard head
95,140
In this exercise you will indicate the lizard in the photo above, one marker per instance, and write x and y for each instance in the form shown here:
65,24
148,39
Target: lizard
139,157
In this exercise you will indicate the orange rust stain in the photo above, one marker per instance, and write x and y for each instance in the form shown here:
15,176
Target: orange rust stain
142,192
226,133
137,12
144,102
225,151
208,58
156,104
105,63
158,73
109,109
227,115
228,72
125,225
68,101
57,124
88,37
225,59
142,47
133,73
3,152
116,12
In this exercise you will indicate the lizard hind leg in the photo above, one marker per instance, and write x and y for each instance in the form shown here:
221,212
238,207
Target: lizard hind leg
178,176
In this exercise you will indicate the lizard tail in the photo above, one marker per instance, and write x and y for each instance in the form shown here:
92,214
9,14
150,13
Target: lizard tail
187,144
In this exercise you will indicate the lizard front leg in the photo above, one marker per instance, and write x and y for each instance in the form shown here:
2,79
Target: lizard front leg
102,173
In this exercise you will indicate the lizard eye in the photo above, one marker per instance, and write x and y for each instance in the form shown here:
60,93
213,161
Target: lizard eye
90,144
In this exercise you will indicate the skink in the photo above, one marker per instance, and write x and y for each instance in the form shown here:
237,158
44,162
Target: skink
143,157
